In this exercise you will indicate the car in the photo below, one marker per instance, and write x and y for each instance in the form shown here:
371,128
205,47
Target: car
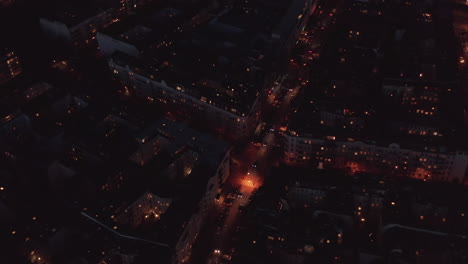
220,220
257,144
228,201
260,129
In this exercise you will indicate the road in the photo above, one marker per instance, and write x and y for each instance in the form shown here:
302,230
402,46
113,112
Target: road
112,231
250,163
249,168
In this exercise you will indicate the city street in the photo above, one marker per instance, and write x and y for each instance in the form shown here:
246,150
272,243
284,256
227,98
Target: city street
247,174
234,132
252,161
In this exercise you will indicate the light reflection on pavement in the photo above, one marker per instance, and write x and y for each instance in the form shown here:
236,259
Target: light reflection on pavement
247,178
264,155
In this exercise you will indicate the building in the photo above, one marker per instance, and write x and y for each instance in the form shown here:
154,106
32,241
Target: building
157,183
10,65
356,156
218,110
191,168
6,3
292,23
16,129
215,74
133,37
75,23
386,109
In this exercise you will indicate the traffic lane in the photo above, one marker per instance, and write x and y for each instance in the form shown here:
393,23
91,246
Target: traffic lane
249,155
245,156
284,108
223,244
247,178
233,212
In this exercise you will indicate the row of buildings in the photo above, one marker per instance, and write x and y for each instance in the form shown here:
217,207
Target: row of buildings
358,156
215,73
385,103
326,216
75,23
119,184
157,182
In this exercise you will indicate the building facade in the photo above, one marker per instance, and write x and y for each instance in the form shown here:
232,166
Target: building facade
183,248
356,156
221,118
80,29
10,65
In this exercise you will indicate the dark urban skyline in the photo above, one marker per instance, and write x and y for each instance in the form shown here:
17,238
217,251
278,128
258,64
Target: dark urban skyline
237,131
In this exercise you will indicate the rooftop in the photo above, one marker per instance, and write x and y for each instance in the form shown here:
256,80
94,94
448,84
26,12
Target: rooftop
223,62
194,158
144,30
73,12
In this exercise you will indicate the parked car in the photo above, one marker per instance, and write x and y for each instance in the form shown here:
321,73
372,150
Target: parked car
228,201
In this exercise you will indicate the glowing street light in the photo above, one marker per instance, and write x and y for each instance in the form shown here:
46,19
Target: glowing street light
249,183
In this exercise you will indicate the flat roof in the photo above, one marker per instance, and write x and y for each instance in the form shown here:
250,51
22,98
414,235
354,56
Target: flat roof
73,12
